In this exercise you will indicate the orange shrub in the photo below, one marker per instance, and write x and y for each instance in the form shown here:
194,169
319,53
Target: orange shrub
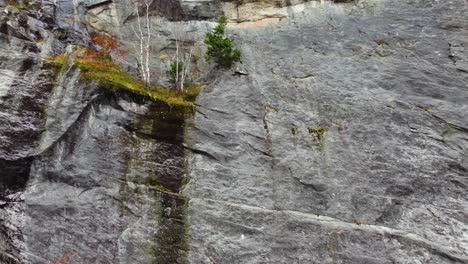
108,44
66,259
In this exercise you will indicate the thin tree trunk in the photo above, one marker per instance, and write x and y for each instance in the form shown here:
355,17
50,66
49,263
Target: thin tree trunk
142,62
148,43
184,70
177,64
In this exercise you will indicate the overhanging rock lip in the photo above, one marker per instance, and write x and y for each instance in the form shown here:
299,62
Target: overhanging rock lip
91,4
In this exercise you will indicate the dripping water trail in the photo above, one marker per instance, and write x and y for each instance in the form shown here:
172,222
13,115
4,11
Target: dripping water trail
168,129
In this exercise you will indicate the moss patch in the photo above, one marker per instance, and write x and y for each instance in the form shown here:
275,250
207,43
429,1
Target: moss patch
380,54
111,76
20,6
161,188
318,132
380,41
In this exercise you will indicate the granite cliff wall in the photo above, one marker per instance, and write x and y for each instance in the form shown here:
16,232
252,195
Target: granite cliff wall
342,137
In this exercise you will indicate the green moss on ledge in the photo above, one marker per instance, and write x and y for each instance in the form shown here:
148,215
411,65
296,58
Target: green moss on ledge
20,6
111,76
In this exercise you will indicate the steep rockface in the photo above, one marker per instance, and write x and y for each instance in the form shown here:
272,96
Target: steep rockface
87,175
344,140
346,143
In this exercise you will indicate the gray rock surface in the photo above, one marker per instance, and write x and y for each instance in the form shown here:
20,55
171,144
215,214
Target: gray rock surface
25,84
386,181
87,175
341,138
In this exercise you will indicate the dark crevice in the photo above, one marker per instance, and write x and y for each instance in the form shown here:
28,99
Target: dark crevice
201,113
14,175
261,151
218,111
201,152
451,125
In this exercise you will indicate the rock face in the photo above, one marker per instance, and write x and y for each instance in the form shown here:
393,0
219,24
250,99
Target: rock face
341,138
25,84
346,143
87,175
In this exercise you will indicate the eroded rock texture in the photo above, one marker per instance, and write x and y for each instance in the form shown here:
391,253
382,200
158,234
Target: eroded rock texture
346,143
87,175
341,138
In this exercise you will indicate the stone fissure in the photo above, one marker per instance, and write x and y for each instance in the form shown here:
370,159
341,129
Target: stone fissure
334,223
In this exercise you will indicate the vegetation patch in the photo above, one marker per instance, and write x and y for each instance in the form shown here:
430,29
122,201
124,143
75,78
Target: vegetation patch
294,131
98,65
318,132
177,75
161,188
24,5
380,54
60,62
220,47
381,42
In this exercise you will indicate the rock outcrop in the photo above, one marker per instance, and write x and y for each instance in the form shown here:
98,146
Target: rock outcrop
345,143
87,175
342,137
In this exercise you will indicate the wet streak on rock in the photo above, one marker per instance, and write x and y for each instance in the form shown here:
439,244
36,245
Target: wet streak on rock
167,128
13,175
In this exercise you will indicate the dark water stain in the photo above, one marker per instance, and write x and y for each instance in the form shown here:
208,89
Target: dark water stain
14,175
168,129
171,240
164,127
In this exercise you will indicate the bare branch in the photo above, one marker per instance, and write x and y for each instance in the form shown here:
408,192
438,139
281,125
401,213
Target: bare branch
142,62
148,43
185,70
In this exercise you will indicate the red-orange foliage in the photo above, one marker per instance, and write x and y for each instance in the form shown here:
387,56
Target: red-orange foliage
66,259
107,44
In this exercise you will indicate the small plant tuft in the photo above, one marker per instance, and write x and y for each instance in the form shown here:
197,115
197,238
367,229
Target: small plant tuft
293,131
318,132
176,69
380,54
220,47
177,76
380,41
319,135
